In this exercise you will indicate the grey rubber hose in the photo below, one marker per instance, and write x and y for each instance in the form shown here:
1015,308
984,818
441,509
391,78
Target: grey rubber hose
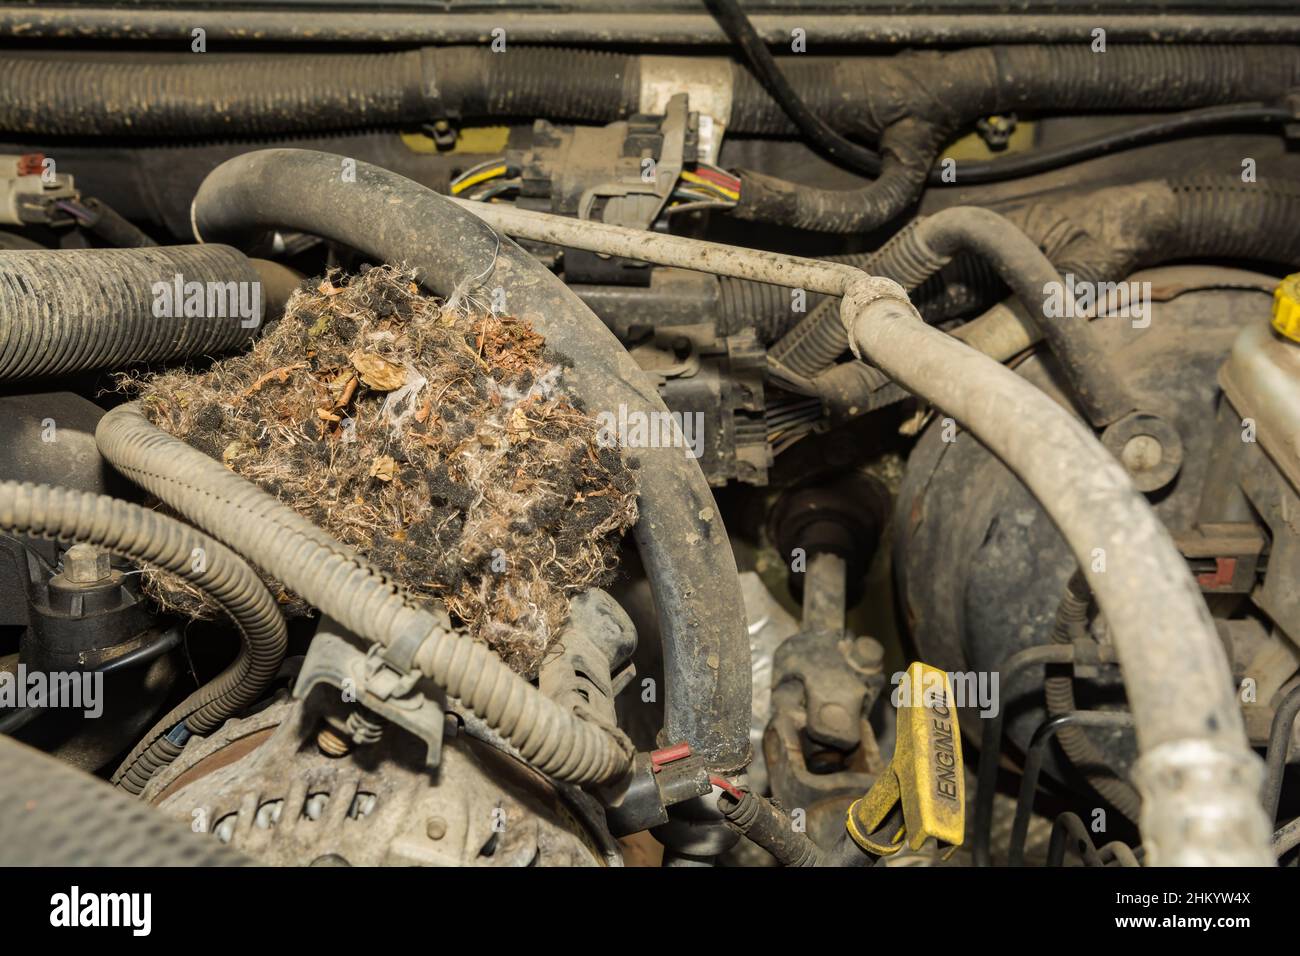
148,537
346,587
77,310
920,251
56,815
1104,235
1199,780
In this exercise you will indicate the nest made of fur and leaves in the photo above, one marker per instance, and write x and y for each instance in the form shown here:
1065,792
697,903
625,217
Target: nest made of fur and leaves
439,442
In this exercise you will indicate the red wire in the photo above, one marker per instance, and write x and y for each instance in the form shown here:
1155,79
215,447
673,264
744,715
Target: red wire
727,785
721,179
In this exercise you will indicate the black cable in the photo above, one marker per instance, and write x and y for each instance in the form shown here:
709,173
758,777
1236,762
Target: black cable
1279,737
18,718
1033,767
737,26
1178,124
1066,829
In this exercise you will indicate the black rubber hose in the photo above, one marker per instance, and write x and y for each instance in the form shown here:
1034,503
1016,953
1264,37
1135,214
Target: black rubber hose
1058,691
963,285
58,816
76,310
755,817
1227,219
216,95
148,537
1108,234
346,587
1189,123
1101,236
683,544
909,147
916,102
1069,830
732,19
925,247
1028,272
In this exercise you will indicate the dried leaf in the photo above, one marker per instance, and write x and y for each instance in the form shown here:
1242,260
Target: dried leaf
384,468
377,372
518,424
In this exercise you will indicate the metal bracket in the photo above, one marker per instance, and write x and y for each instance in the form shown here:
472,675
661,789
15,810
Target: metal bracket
400,697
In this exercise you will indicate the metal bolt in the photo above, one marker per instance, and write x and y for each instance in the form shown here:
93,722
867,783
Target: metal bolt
86,564
868,653
436,828
836,717
1141,453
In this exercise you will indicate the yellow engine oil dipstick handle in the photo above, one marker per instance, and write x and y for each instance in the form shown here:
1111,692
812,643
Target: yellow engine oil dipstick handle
925,777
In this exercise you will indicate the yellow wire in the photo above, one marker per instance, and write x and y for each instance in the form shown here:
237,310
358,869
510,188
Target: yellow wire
701,181
477,178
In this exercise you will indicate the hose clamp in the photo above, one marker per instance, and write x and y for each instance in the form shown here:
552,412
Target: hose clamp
385,678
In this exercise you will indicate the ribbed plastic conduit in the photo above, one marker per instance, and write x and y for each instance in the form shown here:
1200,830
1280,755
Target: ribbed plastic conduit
141,535
348,588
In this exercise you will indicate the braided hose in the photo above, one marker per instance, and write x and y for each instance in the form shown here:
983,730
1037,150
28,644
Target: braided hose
148,537
349,589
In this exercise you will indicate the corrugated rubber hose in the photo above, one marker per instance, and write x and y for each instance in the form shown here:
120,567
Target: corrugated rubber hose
916,102
76,310
58,816
758,819
911,103
216,95
349,589
148,537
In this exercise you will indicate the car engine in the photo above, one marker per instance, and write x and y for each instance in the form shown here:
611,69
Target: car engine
794,434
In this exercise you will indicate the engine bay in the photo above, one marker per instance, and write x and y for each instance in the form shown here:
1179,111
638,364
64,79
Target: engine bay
697,435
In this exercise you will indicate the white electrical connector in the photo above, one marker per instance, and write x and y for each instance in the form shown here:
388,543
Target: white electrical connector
29,188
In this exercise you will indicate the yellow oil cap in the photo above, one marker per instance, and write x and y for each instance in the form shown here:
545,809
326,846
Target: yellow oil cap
1286,307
